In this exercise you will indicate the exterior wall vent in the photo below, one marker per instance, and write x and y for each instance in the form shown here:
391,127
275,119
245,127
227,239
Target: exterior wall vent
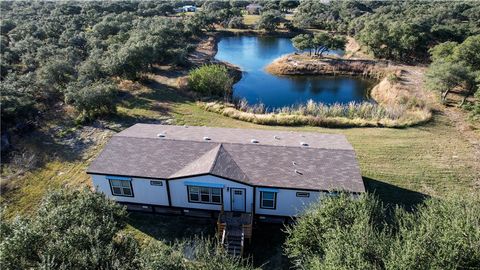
254,141
206,138
161,135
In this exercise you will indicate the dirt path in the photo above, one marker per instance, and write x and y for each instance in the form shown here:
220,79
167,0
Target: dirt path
204,52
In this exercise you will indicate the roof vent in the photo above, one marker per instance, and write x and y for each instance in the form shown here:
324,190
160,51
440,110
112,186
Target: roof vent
298,172
294,163
206,138
161,135
303,144
276,137
254,141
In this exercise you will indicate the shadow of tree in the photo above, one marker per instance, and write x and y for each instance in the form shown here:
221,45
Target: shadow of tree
171,228
266,249
392,195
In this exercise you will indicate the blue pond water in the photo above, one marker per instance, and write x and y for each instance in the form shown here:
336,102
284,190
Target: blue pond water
252,54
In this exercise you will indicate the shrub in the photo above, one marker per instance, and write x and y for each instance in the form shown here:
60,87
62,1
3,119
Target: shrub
347,233
17,99
94,99
82,230
70,230
441,234
194,254
211,80
338,232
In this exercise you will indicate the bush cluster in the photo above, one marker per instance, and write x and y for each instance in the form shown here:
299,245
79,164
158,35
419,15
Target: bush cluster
83,230
348,233
211,80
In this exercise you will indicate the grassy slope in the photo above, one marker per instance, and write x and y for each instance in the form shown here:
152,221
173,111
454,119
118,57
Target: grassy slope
431,159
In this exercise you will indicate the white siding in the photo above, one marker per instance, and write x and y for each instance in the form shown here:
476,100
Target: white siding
178,193
142,190
288,204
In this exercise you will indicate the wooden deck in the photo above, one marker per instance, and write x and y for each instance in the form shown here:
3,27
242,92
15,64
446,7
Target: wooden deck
233,229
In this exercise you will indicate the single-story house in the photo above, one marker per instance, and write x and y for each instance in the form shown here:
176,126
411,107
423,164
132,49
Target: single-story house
254,9
188,8
182,169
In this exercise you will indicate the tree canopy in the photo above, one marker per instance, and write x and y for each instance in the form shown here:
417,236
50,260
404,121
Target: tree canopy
270,20
455,66
319,42
398,30
60,48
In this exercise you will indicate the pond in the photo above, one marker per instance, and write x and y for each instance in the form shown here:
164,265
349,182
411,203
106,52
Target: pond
252,54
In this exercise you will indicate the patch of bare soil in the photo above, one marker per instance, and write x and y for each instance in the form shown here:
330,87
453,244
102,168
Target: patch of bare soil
204,52
353,50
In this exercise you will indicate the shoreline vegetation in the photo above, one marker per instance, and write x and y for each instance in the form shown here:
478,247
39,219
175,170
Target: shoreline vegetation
396,104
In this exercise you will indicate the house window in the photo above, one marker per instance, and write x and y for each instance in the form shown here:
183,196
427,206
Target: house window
121,187
303,194
204,195
156,183
268,200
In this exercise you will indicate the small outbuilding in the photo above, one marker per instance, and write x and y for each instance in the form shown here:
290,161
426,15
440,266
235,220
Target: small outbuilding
195,170
254,9
188,8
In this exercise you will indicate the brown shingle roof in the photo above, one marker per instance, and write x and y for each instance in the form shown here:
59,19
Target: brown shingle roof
278,160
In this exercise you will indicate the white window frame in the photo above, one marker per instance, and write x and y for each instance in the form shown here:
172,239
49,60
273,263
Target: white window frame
262,199
119,187
209,193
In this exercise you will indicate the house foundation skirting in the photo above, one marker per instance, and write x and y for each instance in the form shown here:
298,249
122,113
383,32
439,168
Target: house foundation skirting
194,212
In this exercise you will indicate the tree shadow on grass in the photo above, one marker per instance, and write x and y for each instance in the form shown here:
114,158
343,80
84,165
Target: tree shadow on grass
171,228
392,195
266,248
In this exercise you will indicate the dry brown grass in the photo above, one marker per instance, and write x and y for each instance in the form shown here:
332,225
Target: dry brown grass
410,118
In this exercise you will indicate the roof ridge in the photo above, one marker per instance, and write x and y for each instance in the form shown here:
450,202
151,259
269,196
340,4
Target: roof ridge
258,144
231,157
216,157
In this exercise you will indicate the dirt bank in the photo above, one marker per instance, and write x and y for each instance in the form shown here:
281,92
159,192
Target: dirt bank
300,64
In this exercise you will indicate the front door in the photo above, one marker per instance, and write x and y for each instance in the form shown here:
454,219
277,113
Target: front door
238,199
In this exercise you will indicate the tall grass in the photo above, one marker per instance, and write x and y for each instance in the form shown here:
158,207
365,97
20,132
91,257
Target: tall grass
351,110
318,114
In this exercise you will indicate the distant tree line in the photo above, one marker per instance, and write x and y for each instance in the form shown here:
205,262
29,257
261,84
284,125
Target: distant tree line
397,30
